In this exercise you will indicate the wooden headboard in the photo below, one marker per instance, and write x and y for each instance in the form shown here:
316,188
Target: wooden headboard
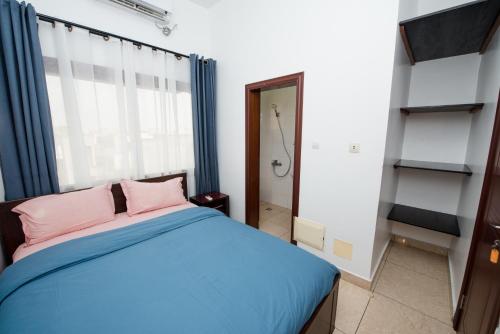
11,231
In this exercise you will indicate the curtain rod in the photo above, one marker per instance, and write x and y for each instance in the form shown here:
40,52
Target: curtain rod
104,34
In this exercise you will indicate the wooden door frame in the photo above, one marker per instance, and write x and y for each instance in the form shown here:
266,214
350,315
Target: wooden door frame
479,225
252,143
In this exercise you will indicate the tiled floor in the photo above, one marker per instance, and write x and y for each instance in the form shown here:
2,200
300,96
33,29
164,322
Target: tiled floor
275,220
411,296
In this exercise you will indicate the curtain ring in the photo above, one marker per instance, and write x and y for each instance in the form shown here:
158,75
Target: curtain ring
70,28
178,57
106,38
139,46
53,24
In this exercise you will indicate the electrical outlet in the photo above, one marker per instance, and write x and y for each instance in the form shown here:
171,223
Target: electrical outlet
354,148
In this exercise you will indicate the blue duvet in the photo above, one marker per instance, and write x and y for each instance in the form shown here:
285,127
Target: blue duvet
192,271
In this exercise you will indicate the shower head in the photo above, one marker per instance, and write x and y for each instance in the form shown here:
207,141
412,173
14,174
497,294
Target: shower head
275,109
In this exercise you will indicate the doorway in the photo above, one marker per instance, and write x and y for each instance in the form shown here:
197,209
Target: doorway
266,102
479,306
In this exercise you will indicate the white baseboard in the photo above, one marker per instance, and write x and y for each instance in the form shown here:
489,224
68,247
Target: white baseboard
454,299
379,261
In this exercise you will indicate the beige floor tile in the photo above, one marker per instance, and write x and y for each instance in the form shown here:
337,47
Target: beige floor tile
273,229
275,221
282,219
280,208
274,207
423,293
351,306
420,261
338,331
386,316
426,247
286,236
267,214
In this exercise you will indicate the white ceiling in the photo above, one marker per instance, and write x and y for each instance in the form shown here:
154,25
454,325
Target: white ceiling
205,3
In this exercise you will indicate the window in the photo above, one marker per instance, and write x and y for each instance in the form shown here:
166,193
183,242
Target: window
117,111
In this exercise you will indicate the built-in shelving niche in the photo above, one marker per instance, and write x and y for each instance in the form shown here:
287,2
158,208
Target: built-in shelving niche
428,219
456,31
431,220
470,107
434,166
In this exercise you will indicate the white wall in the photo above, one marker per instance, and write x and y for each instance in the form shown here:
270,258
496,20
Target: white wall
348,73
429,6
476,157
444,81
274,189
191,36
401,77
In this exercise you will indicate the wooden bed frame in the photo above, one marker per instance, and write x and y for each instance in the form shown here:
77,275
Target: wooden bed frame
322,320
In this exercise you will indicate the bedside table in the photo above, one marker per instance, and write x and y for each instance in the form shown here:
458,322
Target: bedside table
220,201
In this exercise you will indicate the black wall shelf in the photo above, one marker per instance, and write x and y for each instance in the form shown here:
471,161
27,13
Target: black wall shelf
431,220
471,107
451,32
434,166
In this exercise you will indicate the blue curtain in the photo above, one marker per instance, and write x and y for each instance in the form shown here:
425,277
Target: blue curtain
205,142
27,154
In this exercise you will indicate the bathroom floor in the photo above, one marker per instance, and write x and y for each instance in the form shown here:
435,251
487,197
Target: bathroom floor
275,220
411,296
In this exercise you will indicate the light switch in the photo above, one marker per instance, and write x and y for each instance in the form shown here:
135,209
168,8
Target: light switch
354,148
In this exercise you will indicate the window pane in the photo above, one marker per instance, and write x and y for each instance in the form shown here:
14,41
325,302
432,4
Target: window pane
117,111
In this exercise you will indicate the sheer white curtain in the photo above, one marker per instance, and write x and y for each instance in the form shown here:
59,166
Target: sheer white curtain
117,111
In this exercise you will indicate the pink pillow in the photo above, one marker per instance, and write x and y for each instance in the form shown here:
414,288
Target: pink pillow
47,217
144,196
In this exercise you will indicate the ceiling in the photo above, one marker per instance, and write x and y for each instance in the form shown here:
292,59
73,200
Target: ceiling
205,3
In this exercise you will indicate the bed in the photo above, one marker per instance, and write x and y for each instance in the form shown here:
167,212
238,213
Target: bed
188,270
